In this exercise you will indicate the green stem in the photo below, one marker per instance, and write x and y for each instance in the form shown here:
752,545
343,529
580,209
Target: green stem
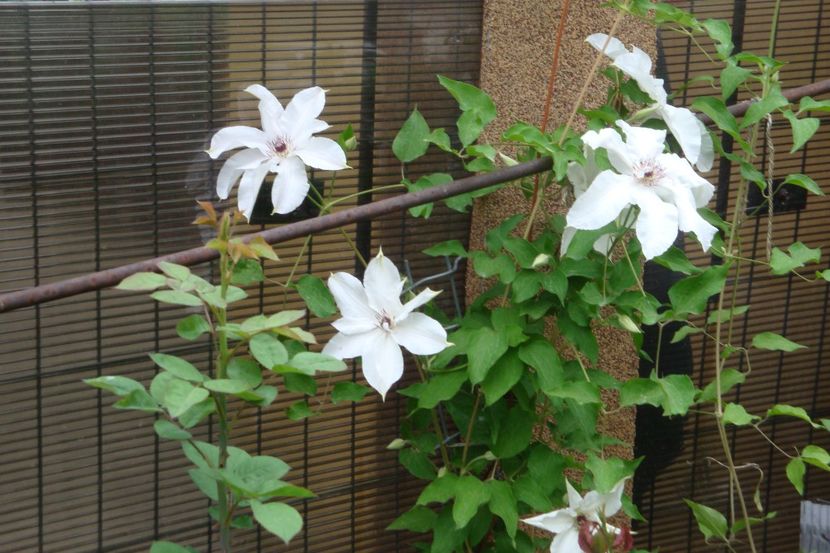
468,436
435,422
221,401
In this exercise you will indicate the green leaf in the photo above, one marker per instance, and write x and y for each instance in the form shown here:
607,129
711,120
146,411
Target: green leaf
515,433
721,33
175,271
803,129
501,265
142,281
192,326
417,464
795,474
309,362
711,522
783,410
692,294
804,182
427,181
449,248
417,519
118,385
816,455
170,547
608,472
683,332
138,400
798,255
675,259
348,391
278,518
176,297
641,391
809,104
246,370
411,141
441,387
734,413
717,111
580,391
774,342
729,378
177,396
247,271
202,454
503,505
268,350
731,77
255,475
346,139
299,411
440,490
470,494
679,393
724,315
507,371
300,384
486,346
170,431
317,296
542,356
226,386
178,367
768,104
477,107
440,138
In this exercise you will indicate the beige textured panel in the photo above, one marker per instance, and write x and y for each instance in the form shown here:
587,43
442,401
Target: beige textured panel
517,49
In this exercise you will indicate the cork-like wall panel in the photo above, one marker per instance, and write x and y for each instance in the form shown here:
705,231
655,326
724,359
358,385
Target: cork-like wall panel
517,50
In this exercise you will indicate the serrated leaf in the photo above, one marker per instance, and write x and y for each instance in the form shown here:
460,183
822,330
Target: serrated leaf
278,518
142,282
411,141
774,342
317,296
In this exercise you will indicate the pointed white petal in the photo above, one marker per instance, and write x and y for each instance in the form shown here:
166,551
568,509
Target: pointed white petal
618,151
302,111
382,362
249,158
290,187
609,194
637,65
350,296
574,498
230,138
689,220
270,109
612,48
249,189
568,234
317,126
322,153
656,226
685,128
424,297
612,501
420,334
351,325
683,174
383,285
566,542
707,148
642,142
555,521
343,346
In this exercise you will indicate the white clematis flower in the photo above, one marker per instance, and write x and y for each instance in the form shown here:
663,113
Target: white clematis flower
666,188
689,131
565,523
375,324
285,145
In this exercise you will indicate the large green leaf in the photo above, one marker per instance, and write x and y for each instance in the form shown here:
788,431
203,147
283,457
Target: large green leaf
507,371
486,346
417,519
317,296
178,367
470,494
711,522
797,255
411,141
142,281
268,350
775,342
278,518
692,294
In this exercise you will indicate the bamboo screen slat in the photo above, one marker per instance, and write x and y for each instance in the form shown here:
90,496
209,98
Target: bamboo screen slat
785,305
106,110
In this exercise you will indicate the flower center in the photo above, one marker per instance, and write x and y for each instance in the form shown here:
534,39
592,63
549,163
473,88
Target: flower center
280,147
385,321
648,172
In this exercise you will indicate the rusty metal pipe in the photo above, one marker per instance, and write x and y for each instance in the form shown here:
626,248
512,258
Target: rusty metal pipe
110,277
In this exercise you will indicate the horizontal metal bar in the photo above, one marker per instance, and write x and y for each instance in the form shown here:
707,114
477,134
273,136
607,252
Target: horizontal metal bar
110,277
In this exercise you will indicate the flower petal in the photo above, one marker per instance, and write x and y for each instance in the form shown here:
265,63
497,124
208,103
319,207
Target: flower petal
290,187
354,325
382,362
322,153
707,148
566,542
568,234
249,189
612,501
637,65
642,142
689,220
574,498
607,196
685,128
656,226
349,346
249,158
350,297
424,297
618,151
684,175
230,138
270,109
302,111
420,334
612,49
555,521
383,285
